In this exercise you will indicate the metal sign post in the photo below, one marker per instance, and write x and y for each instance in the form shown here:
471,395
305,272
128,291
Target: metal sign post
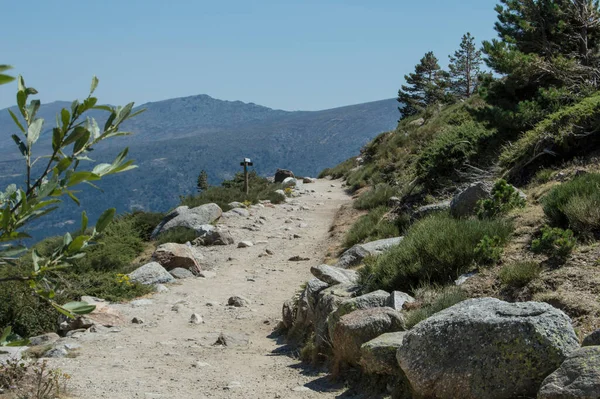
247,162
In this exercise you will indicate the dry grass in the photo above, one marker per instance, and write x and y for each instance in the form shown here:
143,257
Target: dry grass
343,221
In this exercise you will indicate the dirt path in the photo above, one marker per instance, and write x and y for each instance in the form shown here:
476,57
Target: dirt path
167,357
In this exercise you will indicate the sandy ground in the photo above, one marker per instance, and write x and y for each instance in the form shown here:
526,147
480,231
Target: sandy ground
168,357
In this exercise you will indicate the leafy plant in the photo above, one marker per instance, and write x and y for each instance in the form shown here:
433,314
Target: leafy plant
377,196
178,235
554,242
442,299
59,172
435,250
543,176
519,274
373,226
32,379
7,338
504,198
489,250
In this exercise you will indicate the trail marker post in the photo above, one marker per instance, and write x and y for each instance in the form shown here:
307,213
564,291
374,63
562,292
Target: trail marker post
247,162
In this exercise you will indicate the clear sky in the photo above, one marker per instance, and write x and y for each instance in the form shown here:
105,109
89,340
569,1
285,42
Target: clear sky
294,55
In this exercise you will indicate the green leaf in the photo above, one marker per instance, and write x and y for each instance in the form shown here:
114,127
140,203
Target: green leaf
77,244
84,221
22,86
102,169
4,67
94,85
13,251
21,101
73,197
81,142
105,219
79,308
77,133
33,108
103,108
78,177
20,144
67,239
123,113
33,133
63,311
5,334
63,164
65,118
57,136
35,256
21,342
16,120
110,120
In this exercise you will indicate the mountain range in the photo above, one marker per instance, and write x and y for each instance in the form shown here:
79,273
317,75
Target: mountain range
175,139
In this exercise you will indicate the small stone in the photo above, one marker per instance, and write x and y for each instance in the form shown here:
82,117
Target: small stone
200,365
137,320
297,236
196,319
160,288
238,301
232,385
298,258
176,308
56,353
245,244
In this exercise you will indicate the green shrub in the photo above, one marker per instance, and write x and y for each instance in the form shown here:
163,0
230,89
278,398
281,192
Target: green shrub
338,171
435,250
373,226
361,177
449,150
543,176
489,250
519,274
575,204
504,198
554,242
443,299
145,222
178,235
110,286
377,196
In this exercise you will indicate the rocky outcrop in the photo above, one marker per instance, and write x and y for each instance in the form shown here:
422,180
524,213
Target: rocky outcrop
192,218
578,377
151,273
397,299
429,209
328,301
465,203
376,299
180,273
173,256
486,348
355,255
361,326
378,356
592,340
334,275
282,174
237,212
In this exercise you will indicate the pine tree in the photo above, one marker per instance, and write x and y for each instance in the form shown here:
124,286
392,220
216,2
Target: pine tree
425,87
202,181
465,66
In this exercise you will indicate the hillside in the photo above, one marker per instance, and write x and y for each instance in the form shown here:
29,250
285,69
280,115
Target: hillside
175,139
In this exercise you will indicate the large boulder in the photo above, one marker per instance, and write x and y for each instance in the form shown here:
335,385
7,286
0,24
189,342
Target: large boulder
397,300
465,203
334,275
151,273
173,256
305,314
431,208
378,356
361,326
578,377
192,218
328,301
282,174
290,182
375,299
355,255
486,348
592,340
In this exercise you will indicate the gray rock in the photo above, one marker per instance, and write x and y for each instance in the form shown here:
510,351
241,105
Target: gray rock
215,237
237,212
205,229
287,313
463,278
180,273
137,320
195,318
578,377
465,203
245,244
486,348
172,256
376,299
193,218
289,181
355,255
160,288
432,208
417,122
313,287
592,340
44,339
56,353
378,356
238,301
12,353
232,340
151,273
328,301
236,204
309,180
397,300
334,275
361,326
282,174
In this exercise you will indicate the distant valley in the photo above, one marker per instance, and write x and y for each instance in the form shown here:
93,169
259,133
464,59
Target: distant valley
175,139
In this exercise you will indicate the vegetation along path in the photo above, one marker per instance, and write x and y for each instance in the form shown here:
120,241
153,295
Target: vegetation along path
169,357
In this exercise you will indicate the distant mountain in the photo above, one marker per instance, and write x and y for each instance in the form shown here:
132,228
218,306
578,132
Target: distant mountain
175,139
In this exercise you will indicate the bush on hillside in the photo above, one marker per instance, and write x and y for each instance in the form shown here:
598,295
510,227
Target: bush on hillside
435,250
375,197
178,235
450,150
575,204
338,171
145,222
489,250
504,198
361,177
519,274
375,226
554,242
562,133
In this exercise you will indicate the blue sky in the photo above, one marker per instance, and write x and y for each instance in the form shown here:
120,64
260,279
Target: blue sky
294,55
